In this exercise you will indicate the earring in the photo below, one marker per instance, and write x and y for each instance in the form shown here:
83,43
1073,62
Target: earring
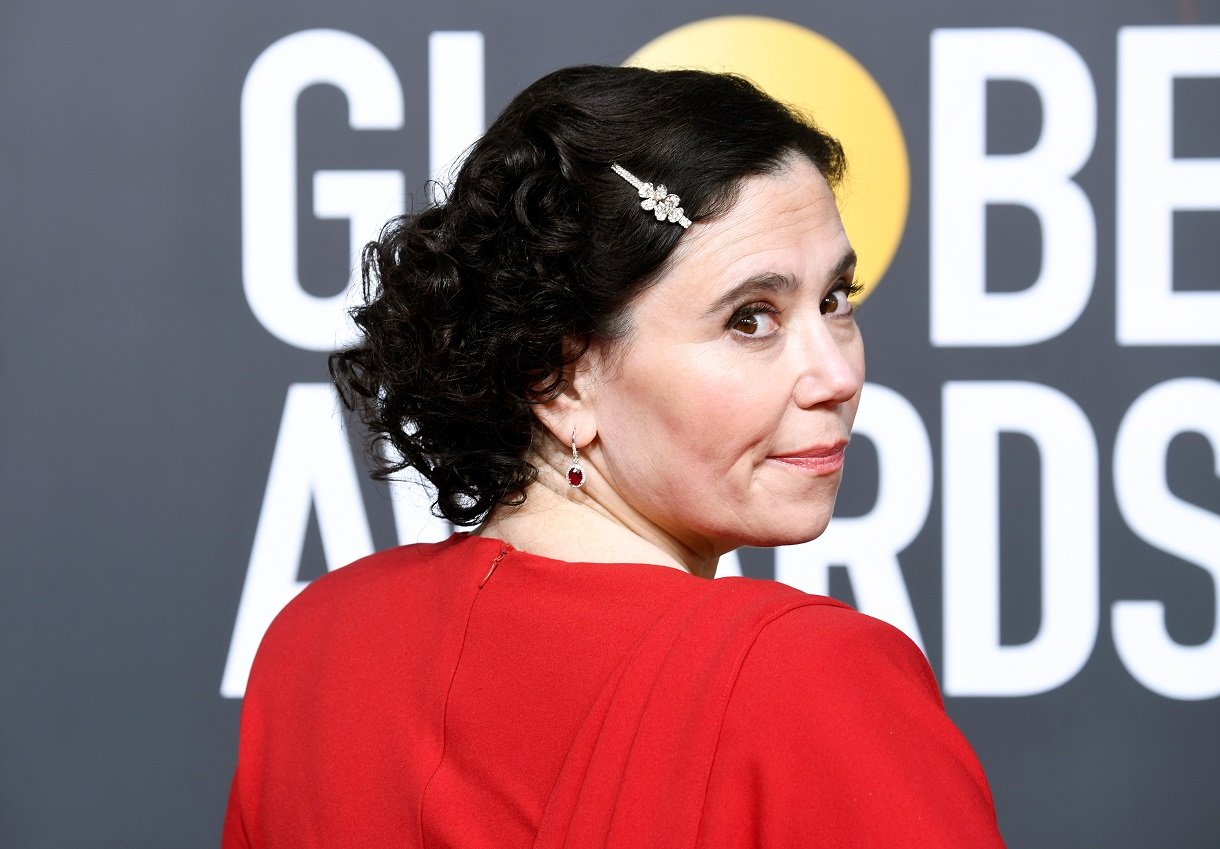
576,475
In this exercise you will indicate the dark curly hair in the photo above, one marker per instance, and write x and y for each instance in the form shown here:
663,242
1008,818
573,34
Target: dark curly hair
476,305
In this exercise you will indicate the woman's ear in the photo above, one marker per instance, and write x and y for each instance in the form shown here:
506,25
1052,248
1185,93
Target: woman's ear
570,414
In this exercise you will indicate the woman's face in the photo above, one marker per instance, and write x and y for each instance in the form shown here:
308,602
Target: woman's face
722,418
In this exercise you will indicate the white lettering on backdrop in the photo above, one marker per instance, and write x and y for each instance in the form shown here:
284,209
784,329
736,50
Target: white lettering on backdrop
1160,518
269,177
964,179
975,414
1152,184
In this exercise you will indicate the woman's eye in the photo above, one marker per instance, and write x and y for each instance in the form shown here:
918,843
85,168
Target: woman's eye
756,322
747,324
837,302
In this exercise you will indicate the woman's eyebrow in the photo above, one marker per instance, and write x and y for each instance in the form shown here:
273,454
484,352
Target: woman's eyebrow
769,282
845,264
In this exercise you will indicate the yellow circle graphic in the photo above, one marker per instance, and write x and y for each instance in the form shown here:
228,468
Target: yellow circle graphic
813,74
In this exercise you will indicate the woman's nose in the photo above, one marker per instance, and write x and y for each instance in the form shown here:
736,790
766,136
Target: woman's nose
833,372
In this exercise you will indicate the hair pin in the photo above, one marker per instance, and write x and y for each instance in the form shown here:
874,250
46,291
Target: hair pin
656,199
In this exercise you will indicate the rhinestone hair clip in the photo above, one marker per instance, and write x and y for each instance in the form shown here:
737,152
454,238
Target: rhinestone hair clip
656,199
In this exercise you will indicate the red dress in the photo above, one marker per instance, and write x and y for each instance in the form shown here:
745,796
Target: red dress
465,694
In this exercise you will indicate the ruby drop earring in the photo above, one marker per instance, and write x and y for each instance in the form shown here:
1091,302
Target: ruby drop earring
576,475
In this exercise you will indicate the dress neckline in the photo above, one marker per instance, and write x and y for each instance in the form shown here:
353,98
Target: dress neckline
507,550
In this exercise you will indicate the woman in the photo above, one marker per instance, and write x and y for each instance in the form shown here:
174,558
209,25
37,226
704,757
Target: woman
625,345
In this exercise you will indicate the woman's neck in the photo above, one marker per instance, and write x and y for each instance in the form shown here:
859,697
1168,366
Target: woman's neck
568,525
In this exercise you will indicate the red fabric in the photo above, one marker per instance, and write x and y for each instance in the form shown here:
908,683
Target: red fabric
411,700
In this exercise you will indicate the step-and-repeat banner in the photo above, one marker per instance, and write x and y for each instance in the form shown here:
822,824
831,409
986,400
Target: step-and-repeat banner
1034,490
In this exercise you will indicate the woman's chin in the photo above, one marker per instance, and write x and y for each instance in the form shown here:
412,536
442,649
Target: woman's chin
802,529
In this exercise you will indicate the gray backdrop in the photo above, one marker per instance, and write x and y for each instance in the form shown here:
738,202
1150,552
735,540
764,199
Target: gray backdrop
143,398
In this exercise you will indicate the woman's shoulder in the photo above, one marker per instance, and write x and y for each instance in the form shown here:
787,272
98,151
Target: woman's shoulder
376,586
821,637
799,639
838,720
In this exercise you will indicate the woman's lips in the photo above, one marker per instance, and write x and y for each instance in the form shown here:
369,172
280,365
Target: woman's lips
820,460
